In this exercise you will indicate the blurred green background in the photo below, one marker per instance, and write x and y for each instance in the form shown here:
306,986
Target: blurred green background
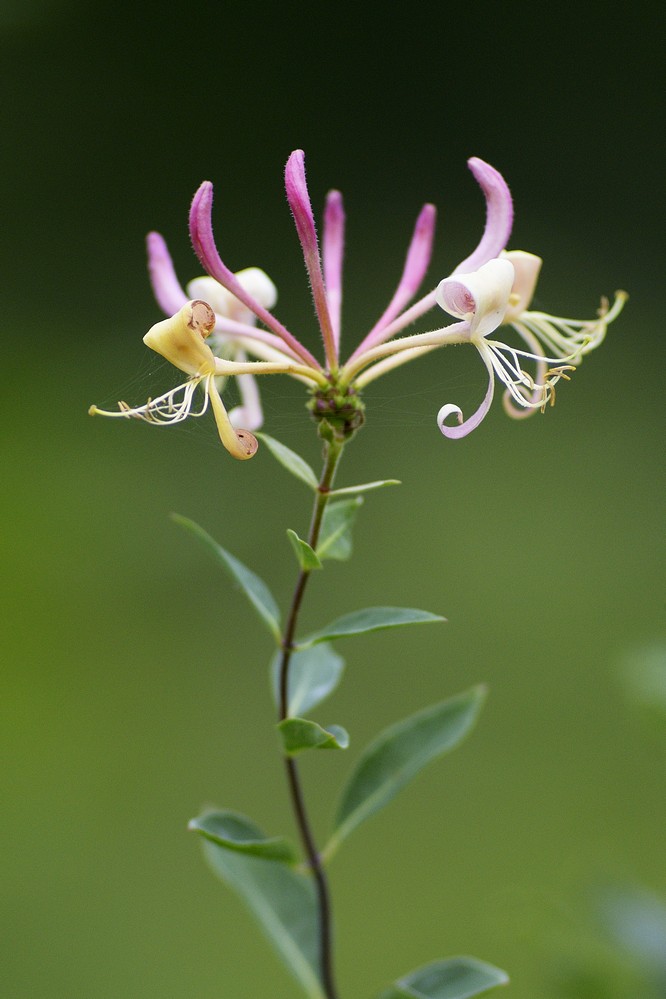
134,680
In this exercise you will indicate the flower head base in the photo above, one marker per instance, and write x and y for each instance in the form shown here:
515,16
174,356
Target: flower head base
214,333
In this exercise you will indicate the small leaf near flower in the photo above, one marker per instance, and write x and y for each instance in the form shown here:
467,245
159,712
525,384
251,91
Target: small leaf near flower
335,539
365,487
307,557
252,586
301,733
290,460
455,978
370,619
236,832
313,674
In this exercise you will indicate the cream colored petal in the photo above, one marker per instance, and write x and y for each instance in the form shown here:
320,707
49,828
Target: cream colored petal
526,267
180,339
480,297
239,443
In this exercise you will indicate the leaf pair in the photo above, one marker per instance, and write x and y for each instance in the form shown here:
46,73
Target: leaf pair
257,866
261,598
335,536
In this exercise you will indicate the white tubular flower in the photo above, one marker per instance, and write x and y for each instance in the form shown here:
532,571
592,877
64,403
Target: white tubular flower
480,298
181,340
499,293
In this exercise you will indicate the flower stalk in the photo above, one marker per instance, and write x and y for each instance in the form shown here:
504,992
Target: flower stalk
332,453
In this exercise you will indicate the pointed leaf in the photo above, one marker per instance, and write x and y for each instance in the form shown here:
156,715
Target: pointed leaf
370,619
307,557
290,460
252,586
313,674
301,733
398,754
236,832
283,902
365,488
456,978
335,538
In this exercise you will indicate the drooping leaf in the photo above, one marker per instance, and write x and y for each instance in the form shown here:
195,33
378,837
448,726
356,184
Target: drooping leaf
283,902
366,487
236,832
290,460
301,733
369,619
398,754
252,586
313,675
307,557
335,538
455,978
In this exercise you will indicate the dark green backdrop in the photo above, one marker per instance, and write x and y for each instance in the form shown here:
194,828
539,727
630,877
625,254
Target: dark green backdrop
135,679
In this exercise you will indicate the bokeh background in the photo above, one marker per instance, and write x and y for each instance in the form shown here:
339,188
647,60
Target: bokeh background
134,675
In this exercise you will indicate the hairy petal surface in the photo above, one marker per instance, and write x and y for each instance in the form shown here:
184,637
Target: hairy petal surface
499,215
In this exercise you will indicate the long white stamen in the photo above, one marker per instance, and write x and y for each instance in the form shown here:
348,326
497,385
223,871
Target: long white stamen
165,410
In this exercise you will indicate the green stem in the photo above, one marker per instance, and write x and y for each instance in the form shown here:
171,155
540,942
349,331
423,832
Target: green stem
333,454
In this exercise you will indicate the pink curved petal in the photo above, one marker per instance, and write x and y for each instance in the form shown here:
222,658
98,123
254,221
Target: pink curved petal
166,287
471,423
203,241
416,265
299,202
499,215
333,248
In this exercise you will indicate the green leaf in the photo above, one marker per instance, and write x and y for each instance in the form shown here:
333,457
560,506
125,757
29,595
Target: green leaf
290,460
307,557
456,978
301,733
252,586
335,538
369,619
236,832
365,488
283,902
313,674
398,754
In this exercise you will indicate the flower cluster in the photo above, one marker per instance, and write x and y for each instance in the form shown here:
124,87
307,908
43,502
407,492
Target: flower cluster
212,330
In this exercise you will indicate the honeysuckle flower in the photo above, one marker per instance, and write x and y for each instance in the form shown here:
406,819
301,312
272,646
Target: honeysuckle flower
499,293
181,340
213,332
232,319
